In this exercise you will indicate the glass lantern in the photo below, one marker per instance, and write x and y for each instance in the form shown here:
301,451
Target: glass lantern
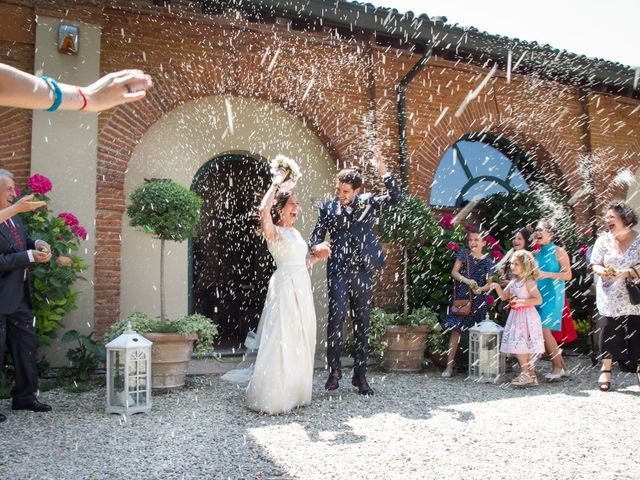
486,363
129,374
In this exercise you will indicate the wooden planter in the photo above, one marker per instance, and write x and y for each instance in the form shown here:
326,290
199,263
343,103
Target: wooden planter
405,348
170,356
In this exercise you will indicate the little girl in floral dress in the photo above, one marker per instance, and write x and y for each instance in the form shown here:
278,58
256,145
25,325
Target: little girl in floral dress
522,334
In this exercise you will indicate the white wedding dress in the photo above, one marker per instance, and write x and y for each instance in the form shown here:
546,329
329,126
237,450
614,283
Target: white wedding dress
282,376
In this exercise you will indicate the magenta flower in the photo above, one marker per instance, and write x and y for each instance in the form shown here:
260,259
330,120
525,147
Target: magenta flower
79,232
18,191
491,241
70,219
447,221
490,300
497,255
583,249
453,246
470,228
39,184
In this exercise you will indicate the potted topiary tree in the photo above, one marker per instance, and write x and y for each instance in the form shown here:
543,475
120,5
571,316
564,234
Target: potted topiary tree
169,212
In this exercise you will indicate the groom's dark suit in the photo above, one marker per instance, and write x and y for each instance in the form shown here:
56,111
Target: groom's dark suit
16,316
355,254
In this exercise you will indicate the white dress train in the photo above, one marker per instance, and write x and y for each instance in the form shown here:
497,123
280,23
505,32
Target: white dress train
282,376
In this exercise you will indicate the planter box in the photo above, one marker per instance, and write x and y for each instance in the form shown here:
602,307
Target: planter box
405,348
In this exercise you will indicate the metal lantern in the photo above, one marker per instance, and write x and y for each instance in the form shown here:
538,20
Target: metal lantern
486,363
129,374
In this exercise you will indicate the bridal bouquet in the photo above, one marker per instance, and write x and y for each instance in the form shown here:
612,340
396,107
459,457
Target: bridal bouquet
289,167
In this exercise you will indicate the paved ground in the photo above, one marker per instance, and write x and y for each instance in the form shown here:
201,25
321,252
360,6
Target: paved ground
417,426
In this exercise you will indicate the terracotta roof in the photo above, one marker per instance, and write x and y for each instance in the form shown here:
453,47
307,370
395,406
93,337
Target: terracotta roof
464,42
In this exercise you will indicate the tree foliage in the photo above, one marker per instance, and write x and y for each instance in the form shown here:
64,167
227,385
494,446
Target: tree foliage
165,209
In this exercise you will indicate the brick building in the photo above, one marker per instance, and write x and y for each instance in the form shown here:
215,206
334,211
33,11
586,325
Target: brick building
239,81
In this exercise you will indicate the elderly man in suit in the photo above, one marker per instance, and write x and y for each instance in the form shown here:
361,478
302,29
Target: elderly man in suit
354,254
17,328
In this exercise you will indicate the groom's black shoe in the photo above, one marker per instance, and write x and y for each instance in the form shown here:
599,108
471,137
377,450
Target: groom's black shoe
2,418
333,380
34,405
363,386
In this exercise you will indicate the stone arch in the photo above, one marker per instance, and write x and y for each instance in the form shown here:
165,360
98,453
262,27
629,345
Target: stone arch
127,129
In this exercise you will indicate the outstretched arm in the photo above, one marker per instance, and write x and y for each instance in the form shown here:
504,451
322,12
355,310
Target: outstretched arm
25,204
268,228
23,90
394,194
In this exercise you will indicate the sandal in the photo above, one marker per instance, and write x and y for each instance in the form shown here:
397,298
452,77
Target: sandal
605,386
525,380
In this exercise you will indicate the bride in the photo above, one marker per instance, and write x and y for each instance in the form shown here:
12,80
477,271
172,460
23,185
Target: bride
281,379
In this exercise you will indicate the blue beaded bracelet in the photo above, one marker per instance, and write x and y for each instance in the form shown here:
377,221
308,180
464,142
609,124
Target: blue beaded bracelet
57,93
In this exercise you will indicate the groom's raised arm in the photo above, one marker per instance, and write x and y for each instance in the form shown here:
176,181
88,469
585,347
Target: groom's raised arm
394,194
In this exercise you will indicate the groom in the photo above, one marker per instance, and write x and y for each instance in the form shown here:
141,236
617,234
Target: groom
354,253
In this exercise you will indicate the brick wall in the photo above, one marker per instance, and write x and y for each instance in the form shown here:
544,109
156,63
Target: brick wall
335,84
17,37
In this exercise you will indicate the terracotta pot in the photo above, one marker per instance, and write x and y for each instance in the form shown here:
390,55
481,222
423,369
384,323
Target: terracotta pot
170,356
405,348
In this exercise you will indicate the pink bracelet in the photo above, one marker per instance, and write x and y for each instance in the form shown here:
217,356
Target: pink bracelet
84,99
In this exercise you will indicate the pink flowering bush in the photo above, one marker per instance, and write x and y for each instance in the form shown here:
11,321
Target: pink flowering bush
53,291
39,184
453,246
447,222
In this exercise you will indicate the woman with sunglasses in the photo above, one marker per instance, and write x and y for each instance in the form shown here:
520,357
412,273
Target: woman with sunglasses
555,269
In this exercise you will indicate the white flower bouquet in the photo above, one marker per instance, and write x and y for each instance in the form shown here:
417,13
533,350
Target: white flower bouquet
287,165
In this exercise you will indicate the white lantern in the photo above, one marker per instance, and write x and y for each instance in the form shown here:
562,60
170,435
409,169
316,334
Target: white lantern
129,374
486,363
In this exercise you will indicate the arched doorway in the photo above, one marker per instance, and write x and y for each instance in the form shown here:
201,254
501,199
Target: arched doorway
230,263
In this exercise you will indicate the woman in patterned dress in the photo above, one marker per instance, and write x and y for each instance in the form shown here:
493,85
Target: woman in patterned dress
616,257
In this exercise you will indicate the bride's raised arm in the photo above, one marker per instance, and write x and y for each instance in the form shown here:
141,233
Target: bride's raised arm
268,228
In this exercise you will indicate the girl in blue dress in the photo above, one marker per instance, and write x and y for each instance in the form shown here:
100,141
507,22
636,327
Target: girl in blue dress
555,270
471,272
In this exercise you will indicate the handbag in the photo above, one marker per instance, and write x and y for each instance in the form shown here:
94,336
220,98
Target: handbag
633,287
461,307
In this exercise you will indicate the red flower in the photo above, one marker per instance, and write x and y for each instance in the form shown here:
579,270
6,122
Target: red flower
490,300
447,221
70,219
491,241
453,246
39,184
496,254
79,232
584,249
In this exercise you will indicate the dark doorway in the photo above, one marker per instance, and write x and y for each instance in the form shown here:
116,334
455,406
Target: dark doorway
231,265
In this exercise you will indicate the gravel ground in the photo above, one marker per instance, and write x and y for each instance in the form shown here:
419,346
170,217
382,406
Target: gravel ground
416,426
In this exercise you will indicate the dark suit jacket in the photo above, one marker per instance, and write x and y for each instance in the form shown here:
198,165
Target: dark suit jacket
12,267
355,233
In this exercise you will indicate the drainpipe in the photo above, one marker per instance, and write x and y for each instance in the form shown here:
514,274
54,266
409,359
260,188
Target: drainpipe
588,149
402,117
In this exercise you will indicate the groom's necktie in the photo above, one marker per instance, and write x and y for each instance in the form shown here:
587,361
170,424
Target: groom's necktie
14,234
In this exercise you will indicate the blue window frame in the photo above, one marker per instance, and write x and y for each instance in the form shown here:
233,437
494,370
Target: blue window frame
479,166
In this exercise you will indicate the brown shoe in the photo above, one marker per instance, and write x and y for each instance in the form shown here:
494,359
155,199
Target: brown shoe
333,380
363,386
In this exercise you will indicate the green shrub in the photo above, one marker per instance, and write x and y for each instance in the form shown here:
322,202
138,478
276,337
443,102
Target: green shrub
196,323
